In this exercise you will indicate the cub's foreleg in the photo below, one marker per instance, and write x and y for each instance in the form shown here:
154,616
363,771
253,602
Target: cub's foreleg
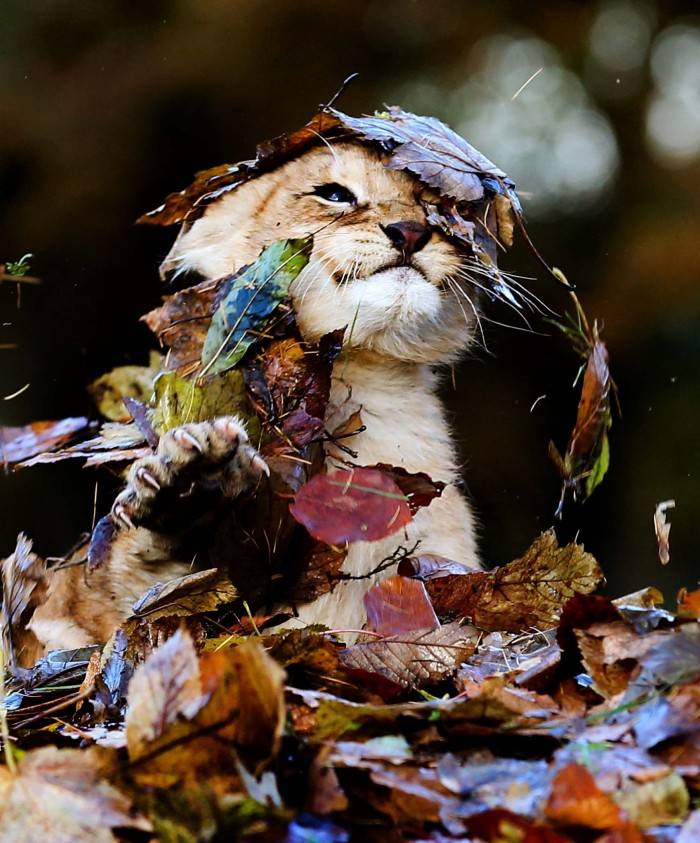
165,511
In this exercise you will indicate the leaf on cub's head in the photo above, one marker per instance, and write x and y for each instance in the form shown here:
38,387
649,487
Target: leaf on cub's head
250,298
361,504
474,201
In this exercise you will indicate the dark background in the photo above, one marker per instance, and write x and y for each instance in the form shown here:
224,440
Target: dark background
107,106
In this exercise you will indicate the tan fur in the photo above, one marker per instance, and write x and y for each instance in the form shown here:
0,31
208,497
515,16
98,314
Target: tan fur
401,321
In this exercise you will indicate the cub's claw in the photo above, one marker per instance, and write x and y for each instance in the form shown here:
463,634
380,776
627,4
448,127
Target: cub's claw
119,511
194,467
260,465
146,477
186,440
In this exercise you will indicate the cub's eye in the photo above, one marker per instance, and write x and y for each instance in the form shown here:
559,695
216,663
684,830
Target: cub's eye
335,193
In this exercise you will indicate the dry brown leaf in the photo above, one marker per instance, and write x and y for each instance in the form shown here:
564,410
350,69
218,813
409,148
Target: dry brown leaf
203,591
689,603
165,687
24,586
609,652
415,658
529,592
64,796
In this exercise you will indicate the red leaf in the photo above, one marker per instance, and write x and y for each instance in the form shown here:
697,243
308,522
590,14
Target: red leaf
399,605
361,504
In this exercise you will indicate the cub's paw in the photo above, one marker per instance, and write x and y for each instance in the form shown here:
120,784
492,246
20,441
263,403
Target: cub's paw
193,468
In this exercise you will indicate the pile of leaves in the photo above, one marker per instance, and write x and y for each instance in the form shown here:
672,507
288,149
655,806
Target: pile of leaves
529,711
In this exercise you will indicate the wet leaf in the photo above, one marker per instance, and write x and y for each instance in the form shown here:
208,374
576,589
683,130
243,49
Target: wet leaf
398,605
529,592
249,300
359,504
22,443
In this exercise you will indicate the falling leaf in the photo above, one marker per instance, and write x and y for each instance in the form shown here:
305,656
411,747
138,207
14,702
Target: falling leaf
250,298
398,605
417,487
529,592
21,443
359,504
415,658
181,324
100,545
662,529
587,456
116,442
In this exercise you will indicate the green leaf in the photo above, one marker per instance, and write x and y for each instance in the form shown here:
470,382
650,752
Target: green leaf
254,294
179,401
600,466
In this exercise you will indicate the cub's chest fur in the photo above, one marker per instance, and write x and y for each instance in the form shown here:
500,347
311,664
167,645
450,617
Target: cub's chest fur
397,287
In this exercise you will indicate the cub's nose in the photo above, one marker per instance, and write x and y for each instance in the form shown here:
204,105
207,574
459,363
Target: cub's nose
408,236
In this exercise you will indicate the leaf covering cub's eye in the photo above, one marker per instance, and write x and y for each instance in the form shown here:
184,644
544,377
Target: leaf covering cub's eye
335,193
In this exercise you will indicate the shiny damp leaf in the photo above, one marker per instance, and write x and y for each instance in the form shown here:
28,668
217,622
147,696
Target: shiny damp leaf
361,504
251,297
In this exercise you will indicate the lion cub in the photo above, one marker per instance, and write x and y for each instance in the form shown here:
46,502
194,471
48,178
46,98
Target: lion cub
398,287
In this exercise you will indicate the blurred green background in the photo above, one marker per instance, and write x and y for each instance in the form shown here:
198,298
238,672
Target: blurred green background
107,106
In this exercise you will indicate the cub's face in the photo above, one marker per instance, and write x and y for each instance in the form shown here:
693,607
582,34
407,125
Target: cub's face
376,267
